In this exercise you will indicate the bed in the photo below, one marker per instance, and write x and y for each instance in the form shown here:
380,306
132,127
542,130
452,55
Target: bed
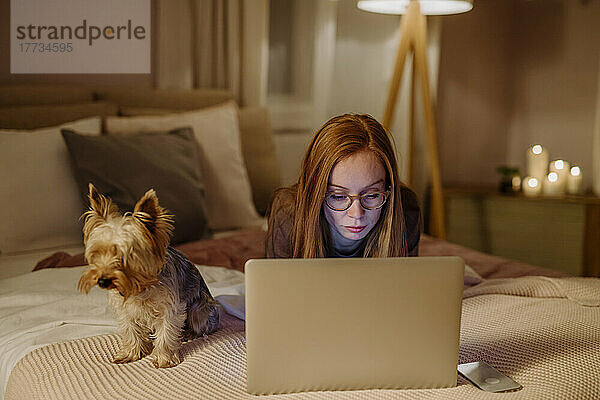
539,326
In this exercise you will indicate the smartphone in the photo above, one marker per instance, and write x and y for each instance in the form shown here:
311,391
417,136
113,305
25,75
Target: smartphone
487,378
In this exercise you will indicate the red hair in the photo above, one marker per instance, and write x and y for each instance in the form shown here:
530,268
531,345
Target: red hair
338,138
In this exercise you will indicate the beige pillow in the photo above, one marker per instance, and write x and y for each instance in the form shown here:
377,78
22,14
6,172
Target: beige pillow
40,203
258,149
228,195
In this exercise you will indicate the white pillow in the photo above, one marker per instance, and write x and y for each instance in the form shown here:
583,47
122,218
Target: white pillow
229,203
40,203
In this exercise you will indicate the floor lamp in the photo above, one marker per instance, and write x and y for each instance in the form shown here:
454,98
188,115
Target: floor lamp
413,38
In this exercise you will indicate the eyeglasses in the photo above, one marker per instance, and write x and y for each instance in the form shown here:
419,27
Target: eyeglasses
341,201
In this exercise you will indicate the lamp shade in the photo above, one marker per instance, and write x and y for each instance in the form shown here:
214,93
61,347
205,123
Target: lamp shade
428,7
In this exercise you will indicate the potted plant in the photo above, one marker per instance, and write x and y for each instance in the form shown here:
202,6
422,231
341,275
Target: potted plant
510,179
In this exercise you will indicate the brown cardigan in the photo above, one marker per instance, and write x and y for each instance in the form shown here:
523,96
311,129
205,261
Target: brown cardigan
278,242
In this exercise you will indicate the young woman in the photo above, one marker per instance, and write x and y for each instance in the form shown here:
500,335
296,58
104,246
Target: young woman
348,201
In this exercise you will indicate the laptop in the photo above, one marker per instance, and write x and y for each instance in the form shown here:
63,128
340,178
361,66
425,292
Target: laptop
352,323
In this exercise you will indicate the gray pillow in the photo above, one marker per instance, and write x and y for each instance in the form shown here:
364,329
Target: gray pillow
125,167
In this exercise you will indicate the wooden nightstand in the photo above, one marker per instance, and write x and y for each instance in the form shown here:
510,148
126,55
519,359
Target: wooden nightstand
559,233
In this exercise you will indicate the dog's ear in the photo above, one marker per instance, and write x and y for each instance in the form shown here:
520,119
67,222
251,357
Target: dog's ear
153,217
101,208
100,204
148,204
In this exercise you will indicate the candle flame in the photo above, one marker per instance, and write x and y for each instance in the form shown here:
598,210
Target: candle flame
575,171
532,182
537,149
552,176
559,164
516,182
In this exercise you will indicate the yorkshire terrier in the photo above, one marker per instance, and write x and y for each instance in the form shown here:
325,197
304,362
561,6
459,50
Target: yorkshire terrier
158,296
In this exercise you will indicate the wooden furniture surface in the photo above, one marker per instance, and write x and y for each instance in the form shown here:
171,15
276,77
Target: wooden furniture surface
562,233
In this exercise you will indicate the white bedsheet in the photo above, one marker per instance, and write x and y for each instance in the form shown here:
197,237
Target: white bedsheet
44,307
21,263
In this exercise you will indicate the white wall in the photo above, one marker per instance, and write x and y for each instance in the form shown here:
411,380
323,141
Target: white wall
475,93
365,56
596,142
515,73
554,80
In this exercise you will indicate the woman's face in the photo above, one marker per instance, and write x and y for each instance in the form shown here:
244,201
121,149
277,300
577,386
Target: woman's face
357,174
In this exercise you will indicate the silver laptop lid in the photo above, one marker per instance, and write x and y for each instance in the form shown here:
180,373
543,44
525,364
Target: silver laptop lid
361,323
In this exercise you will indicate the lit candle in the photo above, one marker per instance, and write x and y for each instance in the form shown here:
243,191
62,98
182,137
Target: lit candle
574,180
531,186
516,183
552,185
537,162
561,167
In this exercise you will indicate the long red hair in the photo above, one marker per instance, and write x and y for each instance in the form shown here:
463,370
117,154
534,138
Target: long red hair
337,139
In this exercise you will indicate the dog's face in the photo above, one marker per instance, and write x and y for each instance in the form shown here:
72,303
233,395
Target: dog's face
125,252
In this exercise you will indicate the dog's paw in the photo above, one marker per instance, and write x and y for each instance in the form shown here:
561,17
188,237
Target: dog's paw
164,360
122,358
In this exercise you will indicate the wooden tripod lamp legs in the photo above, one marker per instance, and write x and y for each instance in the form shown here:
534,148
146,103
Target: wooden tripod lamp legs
413,36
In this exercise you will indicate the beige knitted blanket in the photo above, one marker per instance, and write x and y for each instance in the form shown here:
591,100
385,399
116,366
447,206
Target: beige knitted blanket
542,332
